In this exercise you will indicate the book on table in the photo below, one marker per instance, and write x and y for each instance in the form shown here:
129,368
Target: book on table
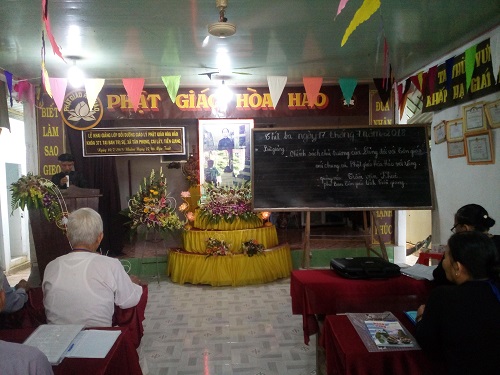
58,341
388,333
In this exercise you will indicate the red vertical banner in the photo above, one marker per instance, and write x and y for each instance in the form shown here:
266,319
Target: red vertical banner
50,134
385,224
380,113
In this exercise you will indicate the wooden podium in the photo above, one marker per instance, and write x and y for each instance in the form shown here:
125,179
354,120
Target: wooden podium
49,240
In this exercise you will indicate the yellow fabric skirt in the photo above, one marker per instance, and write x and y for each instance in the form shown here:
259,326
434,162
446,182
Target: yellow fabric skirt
224,225
231,270
195,240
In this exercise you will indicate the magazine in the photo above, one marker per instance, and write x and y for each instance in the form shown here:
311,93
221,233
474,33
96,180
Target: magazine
388,333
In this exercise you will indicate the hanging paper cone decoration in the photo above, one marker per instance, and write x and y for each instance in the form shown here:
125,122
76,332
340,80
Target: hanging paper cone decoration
172,84
495,55
364,12
341,6
312,86
93,88
470,62
276,85
347,85
58,87
46,80
431,80
384,89
449,72
134,87
8,78
417,80
4,113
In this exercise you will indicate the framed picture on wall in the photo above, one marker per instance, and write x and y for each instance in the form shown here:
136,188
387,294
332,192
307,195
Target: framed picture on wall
456,149
224,149
474,118
440,132
455,130
493,113
479,148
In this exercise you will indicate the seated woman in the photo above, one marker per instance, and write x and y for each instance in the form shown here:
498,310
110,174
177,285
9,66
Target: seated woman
471,217
461,322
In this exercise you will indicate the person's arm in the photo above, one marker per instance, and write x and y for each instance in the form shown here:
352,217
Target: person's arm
128,293
16,297
57,180
428,329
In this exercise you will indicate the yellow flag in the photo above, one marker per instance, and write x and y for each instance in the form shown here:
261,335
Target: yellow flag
364,12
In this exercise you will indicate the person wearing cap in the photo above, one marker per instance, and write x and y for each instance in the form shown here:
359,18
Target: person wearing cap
19,358
68,176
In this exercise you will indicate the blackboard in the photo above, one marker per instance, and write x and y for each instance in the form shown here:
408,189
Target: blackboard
332,169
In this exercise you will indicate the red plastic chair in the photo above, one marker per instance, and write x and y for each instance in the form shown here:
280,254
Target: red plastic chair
425,258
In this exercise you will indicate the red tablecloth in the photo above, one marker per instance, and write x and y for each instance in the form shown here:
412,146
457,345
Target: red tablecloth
323,292
33,314
121,359
346,353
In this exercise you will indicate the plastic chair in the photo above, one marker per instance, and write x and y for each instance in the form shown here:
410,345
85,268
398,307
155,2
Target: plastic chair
425,258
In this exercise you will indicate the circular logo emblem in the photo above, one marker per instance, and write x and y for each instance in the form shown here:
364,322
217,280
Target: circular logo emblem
76,112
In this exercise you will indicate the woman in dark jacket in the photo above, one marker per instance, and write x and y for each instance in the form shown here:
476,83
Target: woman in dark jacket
471,217
461,322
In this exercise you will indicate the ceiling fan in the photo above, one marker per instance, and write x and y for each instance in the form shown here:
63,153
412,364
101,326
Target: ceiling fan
221,29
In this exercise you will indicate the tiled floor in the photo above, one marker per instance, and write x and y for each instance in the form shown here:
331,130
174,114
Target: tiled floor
203,330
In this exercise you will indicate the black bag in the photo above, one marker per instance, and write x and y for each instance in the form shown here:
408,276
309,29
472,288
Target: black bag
364,268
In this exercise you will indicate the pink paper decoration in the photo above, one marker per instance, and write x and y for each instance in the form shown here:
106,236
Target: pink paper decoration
312,86
134,87
58,87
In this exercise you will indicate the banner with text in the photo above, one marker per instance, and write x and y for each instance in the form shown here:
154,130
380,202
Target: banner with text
444,94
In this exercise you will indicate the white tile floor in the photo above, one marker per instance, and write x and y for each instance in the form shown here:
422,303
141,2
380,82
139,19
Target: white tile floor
204,330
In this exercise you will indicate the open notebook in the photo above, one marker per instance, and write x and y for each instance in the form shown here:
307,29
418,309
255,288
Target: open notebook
70,340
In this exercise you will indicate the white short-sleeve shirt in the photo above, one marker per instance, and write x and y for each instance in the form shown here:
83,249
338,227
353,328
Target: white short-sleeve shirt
83,288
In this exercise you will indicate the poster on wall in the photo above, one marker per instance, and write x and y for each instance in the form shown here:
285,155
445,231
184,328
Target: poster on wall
225,151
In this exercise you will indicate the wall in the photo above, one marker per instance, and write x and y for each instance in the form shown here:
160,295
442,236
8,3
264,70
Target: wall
458,183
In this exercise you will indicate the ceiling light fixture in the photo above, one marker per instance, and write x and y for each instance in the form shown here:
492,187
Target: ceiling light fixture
221,29
75,75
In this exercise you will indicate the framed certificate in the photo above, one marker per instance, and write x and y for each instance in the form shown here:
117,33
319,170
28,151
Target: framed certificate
474,118
493,113
479,148
455,130
456,149
440,132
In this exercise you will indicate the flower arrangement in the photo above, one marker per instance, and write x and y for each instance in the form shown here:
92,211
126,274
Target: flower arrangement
184,208
152,207
217,247
191,170
35,192
252,247
228,203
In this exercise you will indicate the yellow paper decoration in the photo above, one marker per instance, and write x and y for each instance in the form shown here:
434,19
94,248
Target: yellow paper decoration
364,12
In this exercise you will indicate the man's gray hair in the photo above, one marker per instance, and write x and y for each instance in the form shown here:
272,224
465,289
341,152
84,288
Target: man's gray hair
83,227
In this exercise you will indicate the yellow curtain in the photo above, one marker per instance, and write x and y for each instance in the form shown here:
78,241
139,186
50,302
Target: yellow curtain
195,240
232,270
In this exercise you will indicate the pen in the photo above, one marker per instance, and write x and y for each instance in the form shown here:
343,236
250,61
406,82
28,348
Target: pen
70,347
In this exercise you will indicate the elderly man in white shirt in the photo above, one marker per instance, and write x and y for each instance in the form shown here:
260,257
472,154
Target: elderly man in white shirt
82,287
19,359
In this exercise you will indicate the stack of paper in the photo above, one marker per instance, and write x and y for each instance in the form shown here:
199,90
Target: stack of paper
53,340
70,340
419,271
